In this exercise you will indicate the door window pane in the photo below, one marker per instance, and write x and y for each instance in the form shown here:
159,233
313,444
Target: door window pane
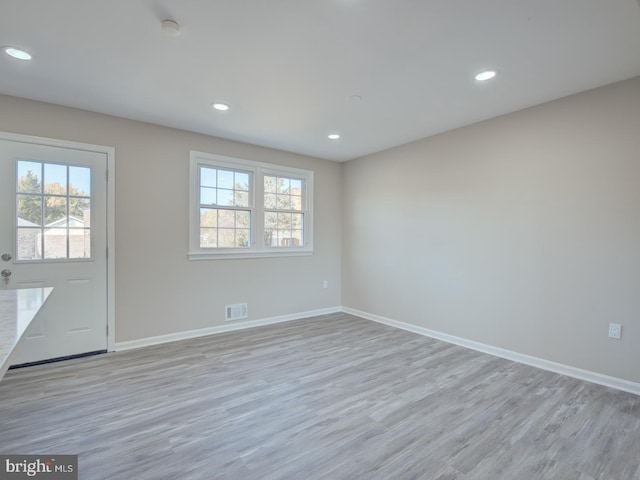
29,242
53,222
55,179
29,210
29,177
80,212
80,181
55,211
55,244
79,243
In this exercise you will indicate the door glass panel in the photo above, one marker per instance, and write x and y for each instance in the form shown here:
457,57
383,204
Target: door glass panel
29,177
55,179
29,241
80,181
29,210
55,211
53,222
79,243
79,212
55,244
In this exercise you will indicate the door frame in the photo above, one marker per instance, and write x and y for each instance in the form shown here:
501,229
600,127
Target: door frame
110,153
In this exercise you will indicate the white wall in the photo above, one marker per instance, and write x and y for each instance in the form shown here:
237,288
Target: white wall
158,291
521,232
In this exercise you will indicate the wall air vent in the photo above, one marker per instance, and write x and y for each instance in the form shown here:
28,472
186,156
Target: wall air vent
236,312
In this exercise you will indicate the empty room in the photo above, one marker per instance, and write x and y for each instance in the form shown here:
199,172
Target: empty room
340,239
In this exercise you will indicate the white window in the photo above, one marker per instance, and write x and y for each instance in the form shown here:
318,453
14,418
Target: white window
240,208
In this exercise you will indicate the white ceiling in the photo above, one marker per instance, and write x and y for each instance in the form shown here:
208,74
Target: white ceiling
287,67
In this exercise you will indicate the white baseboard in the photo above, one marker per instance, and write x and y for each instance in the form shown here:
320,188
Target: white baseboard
593,377
229,327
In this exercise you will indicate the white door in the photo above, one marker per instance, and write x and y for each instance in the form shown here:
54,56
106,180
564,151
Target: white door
53,232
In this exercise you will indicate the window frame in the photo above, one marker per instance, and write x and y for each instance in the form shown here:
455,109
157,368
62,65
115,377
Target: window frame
257,171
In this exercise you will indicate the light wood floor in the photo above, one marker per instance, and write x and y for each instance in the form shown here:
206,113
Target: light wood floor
334,397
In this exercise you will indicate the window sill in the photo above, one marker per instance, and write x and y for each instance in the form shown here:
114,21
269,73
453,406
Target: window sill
228,256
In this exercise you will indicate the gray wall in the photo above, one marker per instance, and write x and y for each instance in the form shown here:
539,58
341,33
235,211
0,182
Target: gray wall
521,232
158,291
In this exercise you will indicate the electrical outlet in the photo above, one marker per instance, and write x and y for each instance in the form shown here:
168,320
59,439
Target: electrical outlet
325,284
615,330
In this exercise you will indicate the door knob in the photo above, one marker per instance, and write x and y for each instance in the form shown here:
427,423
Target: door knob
6,273
6,257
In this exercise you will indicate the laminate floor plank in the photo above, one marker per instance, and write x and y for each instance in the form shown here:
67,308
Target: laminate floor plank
332,397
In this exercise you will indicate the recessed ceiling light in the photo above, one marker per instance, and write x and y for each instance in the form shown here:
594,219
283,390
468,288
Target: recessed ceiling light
333,136
17,53
170,27
486,75
223,107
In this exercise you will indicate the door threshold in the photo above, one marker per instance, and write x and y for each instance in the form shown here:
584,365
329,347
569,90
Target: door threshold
57,359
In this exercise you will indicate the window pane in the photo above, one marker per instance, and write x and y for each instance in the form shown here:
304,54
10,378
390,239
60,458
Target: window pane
290,240
79,243
270,184
55,243
29,177
208,217
288,193
241,199
29,210
242,181
284,221
270,200
208,177
225,197
283,185
226,219
80,181
80,210
209,237
283,229
225,179
269,237
55,211
270,220
207,196
284,202
296,187
28,244
55,179
226,237
242,237
242,219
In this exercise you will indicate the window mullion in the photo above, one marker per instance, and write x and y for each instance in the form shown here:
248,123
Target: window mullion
258,206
